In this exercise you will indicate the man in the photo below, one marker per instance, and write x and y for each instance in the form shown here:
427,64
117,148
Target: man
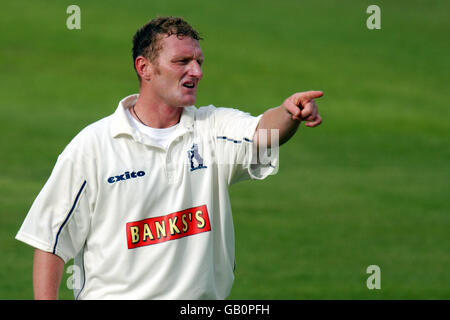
140,198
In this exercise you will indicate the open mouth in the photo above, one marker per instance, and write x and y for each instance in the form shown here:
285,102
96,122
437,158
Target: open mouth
190,85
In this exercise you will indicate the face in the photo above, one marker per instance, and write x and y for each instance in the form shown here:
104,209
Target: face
176,72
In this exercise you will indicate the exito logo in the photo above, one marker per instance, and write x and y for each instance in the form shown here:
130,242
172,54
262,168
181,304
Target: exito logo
125,176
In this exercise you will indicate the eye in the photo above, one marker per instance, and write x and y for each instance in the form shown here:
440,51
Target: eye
183,61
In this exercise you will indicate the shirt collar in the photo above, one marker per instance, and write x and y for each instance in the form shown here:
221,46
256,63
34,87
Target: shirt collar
120,123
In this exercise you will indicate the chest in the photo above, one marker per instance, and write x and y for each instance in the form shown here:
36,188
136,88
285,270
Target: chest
136,175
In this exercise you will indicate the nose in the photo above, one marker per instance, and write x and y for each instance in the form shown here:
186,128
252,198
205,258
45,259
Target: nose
195,70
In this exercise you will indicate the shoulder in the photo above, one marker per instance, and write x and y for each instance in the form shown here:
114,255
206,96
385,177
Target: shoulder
214,113
202,113
87,142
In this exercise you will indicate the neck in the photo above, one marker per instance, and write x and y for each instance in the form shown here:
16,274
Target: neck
155,115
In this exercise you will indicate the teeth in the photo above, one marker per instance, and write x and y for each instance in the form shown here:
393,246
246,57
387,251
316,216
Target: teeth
189,85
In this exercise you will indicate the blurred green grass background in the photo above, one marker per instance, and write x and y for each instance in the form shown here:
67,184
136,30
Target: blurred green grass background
370,186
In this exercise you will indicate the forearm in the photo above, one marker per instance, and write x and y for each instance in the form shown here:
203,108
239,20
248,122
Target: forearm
277,119
47,273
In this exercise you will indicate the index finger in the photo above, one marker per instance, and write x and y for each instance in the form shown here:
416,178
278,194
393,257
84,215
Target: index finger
302,97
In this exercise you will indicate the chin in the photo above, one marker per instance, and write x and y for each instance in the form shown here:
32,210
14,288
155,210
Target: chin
187,102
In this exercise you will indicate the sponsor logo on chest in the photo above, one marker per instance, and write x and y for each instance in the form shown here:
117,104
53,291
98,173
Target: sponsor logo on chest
169,227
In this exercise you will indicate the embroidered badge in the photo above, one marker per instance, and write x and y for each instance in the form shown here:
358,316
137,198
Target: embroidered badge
195,159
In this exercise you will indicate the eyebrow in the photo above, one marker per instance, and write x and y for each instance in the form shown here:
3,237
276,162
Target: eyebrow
188,56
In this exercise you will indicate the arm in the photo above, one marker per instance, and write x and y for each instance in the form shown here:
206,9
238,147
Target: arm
287,117
47,273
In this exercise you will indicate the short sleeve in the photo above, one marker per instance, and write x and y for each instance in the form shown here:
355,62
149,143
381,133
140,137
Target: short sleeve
236,152
59,219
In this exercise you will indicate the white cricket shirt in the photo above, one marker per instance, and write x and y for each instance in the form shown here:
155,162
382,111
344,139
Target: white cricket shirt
144,222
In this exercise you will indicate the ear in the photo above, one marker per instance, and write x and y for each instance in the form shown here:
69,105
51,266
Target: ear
143,68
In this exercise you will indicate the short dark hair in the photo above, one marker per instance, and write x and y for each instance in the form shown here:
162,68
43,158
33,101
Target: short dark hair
146,40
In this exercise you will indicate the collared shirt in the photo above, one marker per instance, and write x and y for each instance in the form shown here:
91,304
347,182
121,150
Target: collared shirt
163,136
142,221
